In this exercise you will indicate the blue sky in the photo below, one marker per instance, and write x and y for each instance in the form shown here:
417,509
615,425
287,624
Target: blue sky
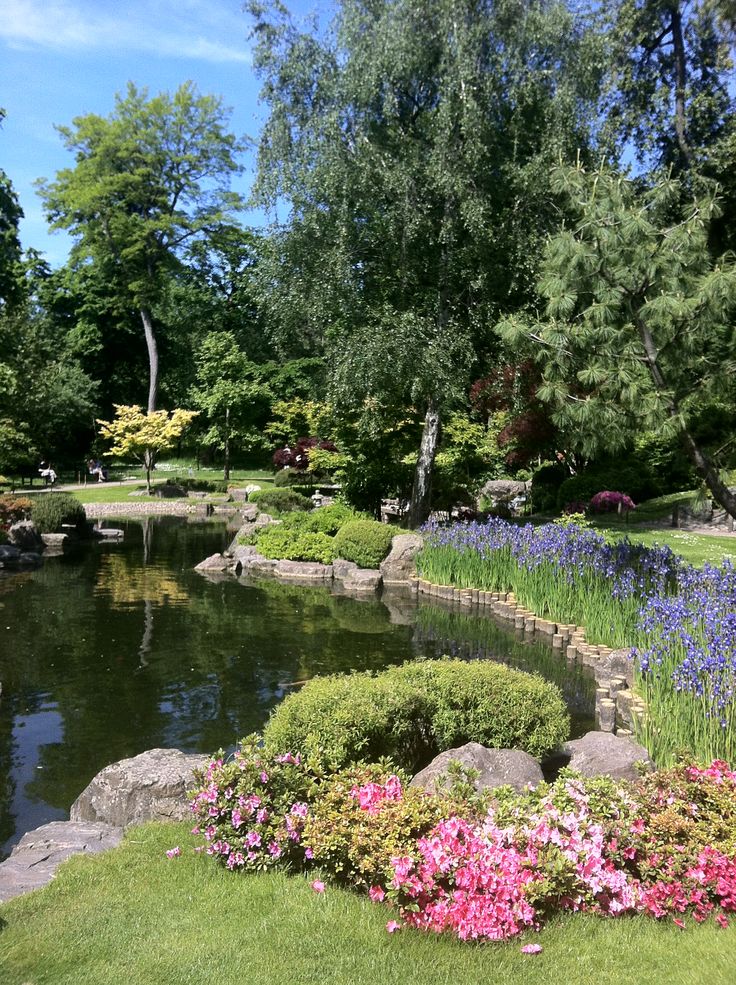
64,58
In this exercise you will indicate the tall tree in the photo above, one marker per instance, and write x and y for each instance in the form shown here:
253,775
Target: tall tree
11,268
638,329
411,144
148,180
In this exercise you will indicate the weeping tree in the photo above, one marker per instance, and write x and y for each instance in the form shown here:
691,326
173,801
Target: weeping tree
407,150
637,333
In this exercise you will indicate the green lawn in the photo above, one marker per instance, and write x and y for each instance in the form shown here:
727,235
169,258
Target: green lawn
134,916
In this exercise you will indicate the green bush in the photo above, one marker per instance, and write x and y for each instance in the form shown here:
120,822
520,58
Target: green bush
202,485
324,520
277,501
635,482
545,484
366,542
52,510
410,713
278,541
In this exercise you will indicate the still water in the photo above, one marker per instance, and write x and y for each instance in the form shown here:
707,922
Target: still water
123,647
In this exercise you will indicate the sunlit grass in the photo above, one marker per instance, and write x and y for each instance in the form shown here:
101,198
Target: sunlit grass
133,916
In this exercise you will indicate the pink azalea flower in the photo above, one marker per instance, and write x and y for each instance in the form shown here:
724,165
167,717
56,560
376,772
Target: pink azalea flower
531,949
173,852
318,887
721,921
392,926
376,894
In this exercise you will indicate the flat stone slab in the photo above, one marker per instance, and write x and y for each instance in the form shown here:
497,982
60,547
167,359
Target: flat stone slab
496,768
605,754
109,533
304,570
151,786
362,580
215,562
35,859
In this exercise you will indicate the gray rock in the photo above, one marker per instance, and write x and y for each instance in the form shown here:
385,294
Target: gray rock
55,540
34,860
264,520
215,562
24,535
9,556
152,786
497,768
29,559
362,580
399,566
502,490
304,570
342,568
618,663
605,754
109,533
257,564
249,512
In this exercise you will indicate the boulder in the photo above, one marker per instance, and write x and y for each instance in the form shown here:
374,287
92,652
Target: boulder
9,556
342,568
502,490
255,564
152,786
362,580
24,535
304,570
58,541
617,663
29,559
215,562
399,566
34,860
605,754
264,520
496,768
249,512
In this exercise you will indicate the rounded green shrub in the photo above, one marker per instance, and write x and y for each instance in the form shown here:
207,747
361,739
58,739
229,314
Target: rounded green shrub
278,541
323,520
411,713
51,511
366,542
279,500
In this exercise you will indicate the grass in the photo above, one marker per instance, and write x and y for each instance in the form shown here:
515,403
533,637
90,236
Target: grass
134,916
697,549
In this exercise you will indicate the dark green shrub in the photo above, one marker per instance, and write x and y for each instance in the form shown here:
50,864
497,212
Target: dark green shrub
634,482
545,483
366,542
278,541
411,713
202,485
279,500
52,510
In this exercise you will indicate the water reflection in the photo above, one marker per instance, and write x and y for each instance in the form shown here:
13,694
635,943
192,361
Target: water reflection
124,647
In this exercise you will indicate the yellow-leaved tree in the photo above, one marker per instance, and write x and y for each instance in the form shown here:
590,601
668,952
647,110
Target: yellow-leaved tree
144,436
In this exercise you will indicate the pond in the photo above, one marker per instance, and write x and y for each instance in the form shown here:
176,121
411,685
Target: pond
123,647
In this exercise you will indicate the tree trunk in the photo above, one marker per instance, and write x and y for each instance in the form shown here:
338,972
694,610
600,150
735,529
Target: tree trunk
422,488
152,358
678,44
705,467
226,469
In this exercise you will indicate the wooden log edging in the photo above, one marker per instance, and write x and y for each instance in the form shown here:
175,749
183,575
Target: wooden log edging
618,707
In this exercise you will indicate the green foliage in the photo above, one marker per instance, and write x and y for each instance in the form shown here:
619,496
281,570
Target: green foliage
276,541
202,485
325,519
277,501
366,542
52,510
410,713
357,847
545,483
144,436
636,483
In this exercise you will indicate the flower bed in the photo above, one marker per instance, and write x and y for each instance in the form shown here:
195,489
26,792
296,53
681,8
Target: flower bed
679,621
480,869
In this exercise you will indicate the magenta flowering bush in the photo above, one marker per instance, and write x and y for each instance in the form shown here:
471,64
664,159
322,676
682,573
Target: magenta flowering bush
611,502
251,809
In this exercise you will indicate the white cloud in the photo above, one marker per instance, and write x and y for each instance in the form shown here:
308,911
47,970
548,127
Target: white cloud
192,29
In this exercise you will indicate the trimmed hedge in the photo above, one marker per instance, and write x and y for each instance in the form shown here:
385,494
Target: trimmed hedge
279,500
411,713
280,542
323,520
52,510
366,542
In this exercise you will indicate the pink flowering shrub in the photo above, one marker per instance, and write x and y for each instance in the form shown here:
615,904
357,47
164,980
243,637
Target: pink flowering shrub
611,502
251,809
663,846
